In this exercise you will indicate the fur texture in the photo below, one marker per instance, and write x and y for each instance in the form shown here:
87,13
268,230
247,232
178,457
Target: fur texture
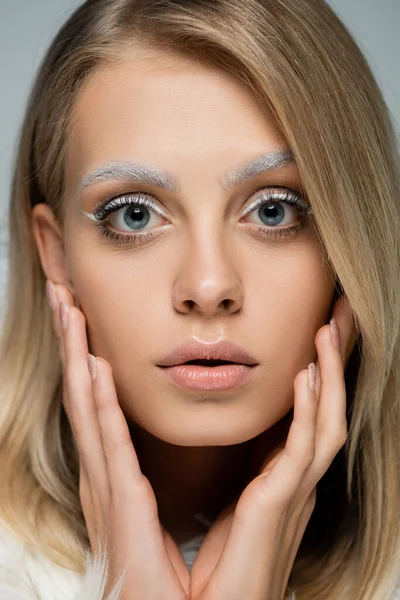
27,577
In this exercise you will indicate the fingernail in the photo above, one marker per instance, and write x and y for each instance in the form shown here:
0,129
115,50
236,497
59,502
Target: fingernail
335,334
311,376
51,295
92,366
63,313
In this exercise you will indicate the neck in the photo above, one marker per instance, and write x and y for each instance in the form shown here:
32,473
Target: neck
188,480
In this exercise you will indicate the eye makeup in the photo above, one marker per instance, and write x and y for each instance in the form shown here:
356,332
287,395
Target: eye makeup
270,197
105,207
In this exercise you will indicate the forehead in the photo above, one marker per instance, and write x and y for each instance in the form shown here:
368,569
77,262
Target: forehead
166,110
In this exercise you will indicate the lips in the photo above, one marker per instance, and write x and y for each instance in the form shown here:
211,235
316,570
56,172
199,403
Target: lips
208,354
223,378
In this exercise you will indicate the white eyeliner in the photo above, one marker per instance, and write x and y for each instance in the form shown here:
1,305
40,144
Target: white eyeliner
90,216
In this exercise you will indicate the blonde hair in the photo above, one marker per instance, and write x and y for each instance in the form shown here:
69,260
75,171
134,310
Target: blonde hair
301,63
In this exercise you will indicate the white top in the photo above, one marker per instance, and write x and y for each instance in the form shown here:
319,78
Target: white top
190,549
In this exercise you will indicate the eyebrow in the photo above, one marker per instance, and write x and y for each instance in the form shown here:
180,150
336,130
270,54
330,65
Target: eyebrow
130,171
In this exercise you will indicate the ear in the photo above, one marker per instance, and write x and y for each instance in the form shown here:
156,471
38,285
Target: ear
49,240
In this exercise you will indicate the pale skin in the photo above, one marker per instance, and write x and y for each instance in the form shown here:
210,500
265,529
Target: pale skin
152,455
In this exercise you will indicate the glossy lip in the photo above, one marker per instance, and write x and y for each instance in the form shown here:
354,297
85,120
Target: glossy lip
217,379
194,350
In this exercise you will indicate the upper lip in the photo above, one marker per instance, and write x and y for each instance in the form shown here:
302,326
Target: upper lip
194,350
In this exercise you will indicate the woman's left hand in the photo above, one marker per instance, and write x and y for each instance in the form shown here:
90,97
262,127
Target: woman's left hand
250,549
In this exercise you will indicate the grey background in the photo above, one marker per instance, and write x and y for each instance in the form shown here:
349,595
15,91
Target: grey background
27,27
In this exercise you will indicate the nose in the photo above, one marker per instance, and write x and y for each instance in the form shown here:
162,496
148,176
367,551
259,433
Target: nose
207,282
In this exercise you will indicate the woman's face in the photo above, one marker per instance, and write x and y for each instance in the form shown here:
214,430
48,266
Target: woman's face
208,272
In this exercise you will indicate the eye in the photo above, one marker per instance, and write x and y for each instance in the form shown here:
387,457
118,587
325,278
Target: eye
129,213
136,216
277,209
132,213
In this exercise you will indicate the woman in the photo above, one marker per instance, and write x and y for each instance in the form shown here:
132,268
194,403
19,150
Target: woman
211,182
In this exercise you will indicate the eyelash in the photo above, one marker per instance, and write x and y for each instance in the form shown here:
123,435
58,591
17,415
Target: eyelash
286,196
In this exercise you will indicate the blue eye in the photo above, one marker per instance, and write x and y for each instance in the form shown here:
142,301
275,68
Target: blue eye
133,212
273,205
135,217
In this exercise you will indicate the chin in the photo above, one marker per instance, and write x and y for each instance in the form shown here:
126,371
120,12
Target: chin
212,433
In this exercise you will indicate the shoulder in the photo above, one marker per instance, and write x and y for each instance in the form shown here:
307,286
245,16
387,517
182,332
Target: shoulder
24,576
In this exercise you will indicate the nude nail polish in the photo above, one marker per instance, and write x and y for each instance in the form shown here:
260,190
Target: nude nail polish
51,295
335,334
312,374
92,366
63,314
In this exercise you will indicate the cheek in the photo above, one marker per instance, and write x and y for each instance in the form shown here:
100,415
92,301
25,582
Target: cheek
295,304
118,302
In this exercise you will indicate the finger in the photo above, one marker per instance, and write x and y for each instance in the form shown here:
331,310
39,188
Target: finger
61,294
299,450
82,409
53,302
348,335
331,429
347,326
133,505
120,455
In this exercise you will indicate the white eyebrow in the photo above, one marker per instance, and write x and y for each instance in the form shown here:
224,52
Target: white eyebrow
261,164
130,171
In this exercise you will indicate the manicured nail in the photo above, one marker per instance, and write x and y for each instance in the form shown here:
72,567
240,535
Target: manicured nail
311,376
92,366
51,295
63,313
335,334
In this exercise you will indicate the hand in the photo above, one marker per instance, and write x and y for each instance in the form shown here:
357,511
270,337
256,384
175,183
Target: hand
250,549
118,502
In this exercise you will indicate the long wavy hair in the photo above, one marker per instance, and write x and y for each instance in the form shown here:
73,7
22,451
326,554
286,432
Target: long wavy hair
301,63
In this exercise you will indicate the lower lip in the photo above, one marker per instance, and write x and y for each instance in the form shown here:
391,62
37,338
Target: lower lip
197,377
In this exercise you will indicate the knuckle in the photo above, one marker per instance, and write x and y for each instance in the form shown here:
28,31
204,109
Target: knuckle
109,446
303,459
308,458
275,498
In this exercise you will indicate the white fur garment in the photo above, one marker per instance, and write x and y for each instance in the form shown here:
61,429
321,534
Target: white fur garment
27,577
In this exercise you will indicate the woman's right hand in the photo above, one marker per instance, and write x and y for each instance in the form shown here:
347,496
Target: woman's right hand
118,502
